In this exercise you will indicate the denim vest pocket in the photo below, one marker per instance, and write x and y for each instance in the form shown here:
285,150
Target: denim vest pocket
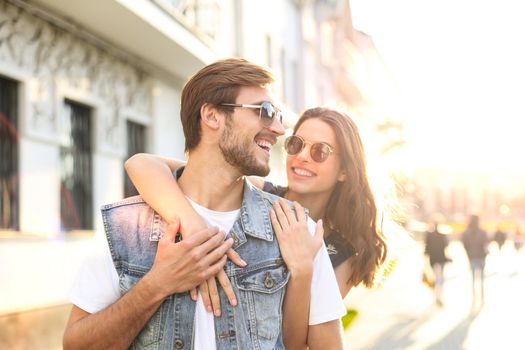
263,291
151,335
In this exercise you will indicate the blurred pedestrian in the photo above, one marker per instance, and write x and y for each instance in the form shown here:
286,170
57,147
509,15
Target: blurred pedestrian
500,237
435,245
518,239
475,240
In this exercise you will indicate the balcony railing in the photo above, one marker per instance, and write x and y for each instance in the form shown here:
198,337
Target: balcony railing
202,17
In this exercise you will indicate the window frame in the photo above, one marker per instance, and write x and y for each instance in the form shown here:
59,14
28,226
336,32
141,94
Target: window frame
83,201
129,189
13,222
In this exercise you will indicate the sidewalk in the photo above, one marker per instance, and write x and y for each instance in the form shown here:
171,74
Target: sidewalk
402,315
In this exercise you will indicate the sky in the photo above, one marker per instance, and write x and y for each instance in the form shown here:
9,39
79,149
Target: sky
460,68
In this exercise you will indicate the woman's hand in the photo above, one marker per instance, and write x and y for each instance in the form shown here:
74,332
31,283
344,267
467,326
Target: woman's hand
209,291
297,246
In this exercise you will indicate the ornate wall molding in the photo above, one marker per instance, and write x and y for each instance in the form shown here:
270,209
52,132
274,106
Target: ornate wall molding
59,61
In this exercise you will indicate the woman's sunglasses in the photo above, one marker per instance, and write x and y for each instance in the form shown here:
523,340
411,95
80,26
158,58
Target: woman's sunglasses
267,112
319,151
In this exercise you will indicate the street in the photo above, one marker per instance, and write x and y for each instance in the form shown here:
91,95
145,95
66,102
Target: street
401,314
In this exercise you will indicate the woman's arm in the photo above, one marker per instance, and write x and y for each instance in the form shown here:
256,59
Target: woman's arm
163,195
298,249
341,274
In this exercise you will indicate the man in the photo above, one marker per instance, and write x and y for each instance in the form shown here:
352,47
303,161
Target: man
435,246
500,237
140,297
475,241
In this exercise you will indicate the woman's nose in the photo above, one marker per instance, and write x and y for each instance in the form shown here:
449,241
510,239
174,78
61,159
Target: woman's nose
304,155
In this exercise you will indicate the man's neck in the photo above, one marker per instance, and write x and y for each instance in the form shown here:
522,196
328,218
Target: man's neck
209,181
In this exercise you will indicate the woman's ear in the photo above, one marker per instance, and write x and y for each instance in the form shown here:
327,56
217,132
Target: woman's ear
209,116
342,176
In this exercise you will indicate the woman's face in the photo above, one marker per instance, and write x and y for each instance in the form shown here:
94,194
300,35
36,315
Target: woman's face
305,176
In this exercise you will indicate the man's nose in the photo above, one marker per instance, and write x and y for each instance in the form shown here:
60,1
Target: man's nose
276,127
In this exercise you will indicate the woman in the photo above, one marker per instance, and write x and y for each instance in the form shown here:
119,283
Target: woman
475,241
326,174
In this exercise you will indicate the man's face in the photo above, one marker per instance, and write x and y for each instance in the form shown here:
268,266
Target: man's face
245,143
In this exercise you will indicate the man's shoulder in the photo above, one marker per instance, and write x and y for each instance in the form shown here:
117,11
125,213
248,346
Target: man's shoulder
267,197
132,212
134,201
133,218
274,189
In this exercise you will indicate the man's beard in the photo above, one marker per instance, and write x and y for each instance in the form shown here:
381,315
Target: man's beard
237,153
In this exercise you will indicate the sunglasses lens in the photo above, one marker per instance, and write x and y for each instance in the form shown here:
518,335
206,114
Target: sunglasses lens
320,152
269,112
293,145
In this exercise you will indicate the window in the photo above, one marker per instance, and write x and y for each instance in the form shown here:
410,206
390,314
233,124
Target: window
136,144
76,196
9,215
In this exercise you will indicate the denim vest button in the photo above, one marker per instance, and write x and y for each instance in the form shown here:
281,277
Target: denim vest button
268,281
179,344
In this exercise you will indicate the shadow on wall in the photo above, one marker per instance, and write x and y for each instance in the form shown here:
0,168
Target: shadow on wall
35,329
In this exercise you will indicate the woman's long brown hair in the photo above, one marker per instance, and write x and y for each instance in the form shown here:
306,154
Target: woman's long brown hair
351,209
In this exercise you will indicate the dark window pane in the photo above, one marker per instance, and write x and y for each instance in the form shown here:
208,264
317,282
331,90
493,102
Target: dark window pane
9,208
136,144
76,197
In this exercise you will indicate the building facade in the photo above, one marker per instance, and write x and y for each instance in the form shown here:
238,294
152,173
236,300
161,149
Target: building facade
86,84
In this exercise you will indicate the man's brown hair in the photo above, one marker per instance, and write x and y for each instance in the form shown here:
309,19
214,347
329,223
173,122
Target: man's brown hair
217,83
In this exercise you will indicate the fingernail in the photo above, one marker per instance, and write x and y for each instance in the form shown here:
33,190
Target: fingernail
243,263
234,302
217,313
209,308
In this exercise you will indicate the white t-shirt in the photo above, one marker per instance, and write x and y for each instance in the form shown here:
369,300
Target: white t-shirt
97,284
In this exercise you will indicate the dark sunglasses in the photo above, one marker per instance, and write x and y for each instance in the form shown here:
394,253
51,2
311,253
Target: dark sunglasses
267,112
319,151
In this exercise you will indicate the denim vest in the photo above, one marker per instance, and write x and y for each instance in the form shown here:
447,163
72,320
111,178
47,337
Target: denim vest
133,230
